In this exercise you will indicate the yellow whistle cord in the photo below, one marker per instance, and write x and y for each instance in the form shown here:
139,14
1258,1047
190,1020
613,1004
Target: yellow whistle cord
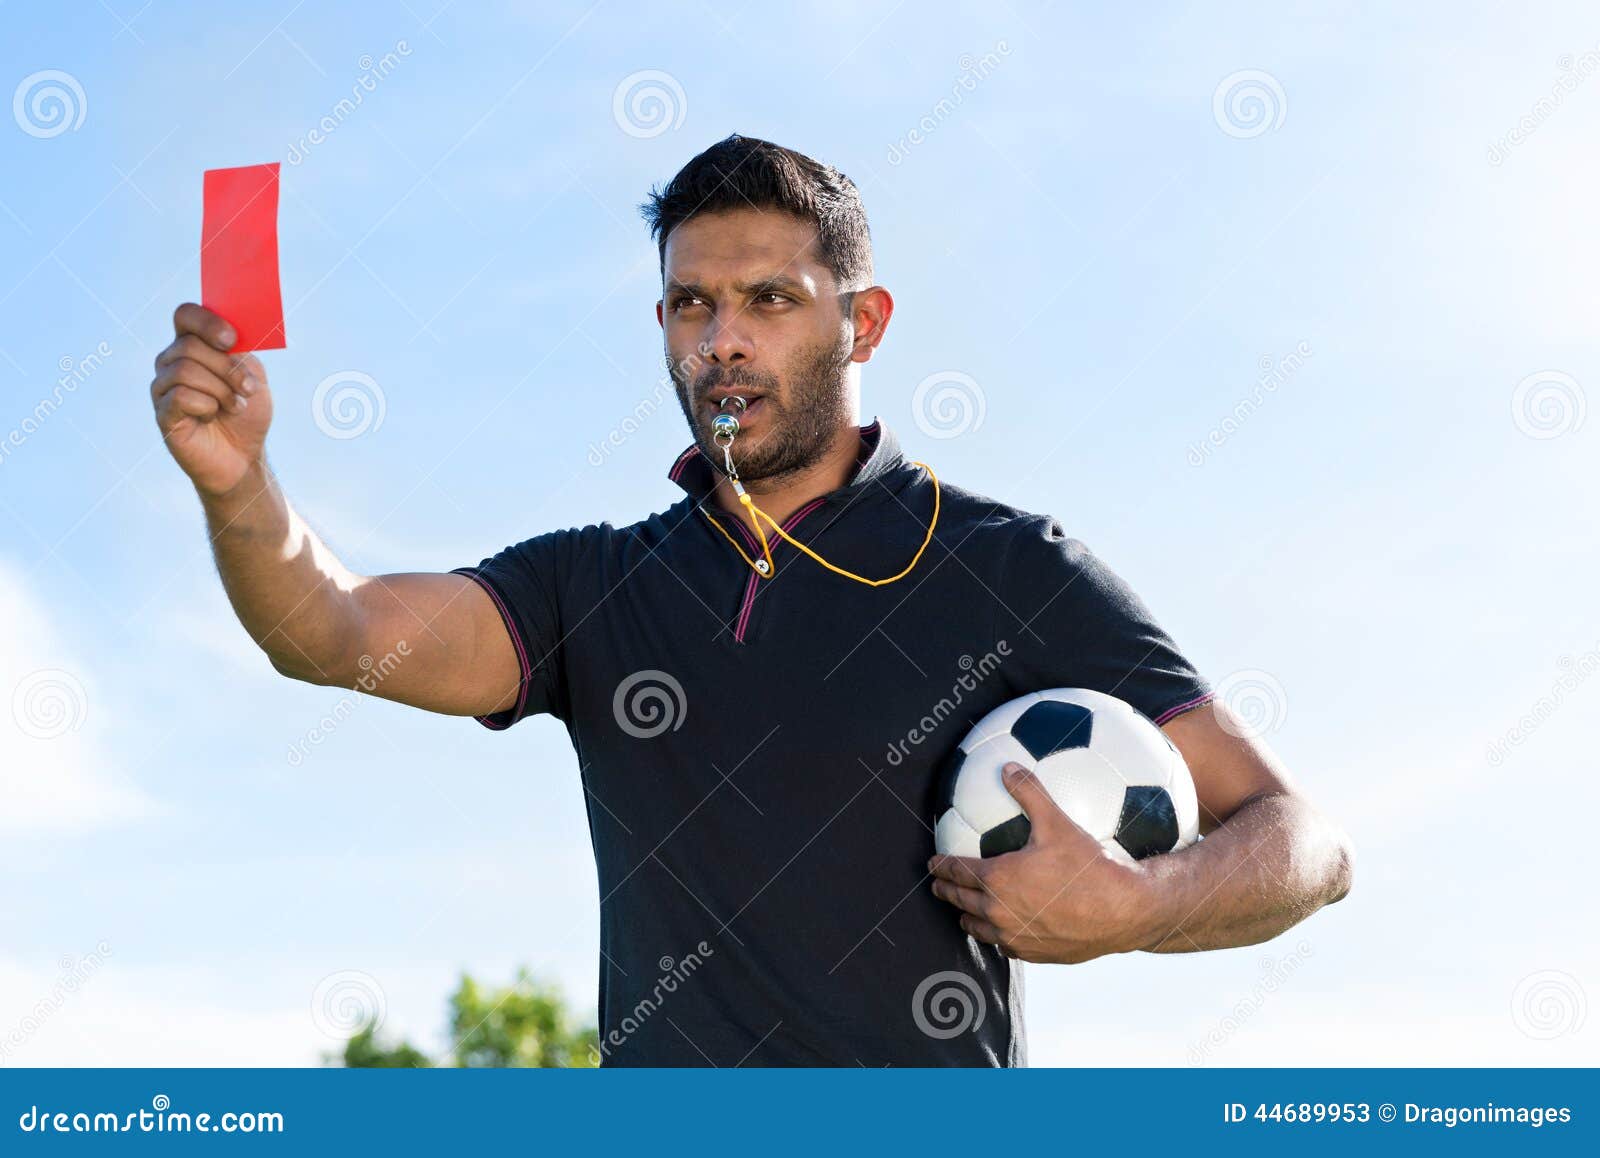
753,511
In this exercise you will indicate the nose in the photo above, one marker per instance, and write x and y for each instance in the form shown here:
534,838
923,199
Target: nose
728,342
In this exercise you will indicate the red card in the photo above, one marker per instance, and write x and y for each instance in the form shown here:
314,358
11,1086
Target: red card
239,254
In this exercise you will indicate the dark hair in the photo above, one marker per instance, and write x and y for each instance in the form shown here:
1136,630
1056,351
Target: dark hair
743,172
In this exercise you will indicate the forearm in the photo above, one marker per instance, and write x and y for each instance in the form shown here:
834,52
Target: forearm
1273,863
289,591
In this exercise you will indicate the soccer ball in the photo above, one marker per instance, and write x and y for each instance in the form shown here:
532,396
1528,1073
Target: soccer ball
1109,768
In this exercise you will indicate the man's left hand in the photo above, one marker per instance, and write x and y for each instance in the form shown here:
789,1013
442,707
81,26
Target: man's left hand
1060,898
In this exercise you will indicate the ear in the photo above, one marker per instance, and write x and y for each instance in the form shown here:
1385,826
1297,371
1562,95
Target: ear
661,319
870,311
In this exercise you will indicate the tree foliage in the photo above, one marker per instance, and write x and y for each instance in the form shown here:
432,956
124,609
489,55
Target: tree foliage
523,1024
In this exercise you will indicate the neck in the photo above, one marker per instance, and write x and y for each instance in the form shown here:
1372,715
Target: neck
783,495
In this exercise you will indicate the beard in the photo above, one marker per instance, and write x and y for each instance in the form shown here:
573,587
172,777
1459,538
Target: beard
803,410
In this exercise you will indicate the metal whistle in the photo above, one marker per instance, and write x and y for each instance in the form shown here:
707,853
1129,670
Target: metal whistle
726,425
723,427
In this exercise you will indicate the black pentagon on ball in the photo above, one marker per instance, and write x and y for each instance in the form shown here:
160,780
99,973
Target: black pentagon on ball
944,793
1007,837
1149,823
1053,726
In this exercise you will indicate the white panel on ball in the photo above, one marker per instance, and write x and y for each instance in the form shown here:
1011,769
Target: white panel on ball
953,836
981,796
1087,787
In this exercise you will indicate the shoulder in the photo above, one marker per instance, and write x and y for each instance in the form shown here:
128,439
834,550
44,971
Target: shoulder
593,542
966,515
998,528
1027,559
597,556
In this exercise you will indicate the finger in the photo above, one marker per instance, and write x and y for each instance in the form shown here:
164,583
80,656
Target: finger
184,402
255,373
187,372
960,870
231,368
1017,946
980,930
1045,817
192,319
974,901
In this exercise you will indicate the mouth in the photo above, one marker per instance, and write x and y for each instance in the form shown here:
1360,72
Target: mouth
754,404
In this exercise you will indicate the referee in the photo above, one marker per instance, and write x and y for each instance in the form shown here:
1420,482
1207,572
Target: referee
759,701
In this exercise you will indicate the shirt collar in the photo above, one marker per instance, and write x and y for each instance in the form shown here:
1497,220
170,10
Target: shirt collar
880,456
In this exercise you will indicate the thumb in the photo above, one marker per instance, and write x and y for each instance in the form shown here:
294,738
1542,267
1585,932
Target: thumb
1047,819
1044,814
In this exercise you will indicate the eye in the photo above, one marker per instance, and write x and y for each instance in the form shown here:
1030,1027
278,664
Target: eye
681,302
777,298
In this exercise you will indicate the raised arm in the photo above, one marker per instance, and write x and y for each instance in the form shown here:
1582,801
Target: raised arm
436,640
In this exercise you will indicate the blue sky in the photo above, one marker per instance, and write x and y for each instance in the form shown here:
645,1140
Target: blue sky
1396,539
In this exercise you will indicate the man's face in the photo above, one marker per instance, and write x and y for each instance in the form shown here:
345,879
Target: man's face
749,309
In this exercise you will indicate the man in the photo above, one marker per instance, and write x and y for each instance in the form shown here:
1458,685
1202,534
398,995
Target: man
758,728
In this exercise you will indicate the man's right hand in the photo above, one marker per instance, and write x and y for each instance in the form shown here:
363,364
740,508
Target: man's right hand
213,407
315,619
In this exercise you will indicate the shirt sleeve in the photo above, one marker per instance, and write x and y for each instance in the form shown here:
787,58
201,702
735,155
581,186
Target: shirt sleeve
1069,621
525,582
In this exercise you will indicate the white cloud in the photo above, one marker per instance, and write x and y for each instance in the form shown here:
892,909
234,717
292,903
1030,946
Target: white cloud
1357,1026
94,1012
203,622
55,761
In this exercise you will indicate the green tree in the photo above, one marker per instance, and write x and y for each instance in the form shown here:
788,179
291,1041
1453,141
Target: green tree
521,1024
365,1051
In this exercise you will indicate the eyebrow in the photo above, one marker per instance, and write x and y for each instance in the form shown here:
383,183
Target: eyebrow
774,282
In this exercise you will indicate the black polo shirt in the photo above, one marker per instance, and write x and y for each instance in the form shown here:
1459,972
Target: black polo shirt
759,754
